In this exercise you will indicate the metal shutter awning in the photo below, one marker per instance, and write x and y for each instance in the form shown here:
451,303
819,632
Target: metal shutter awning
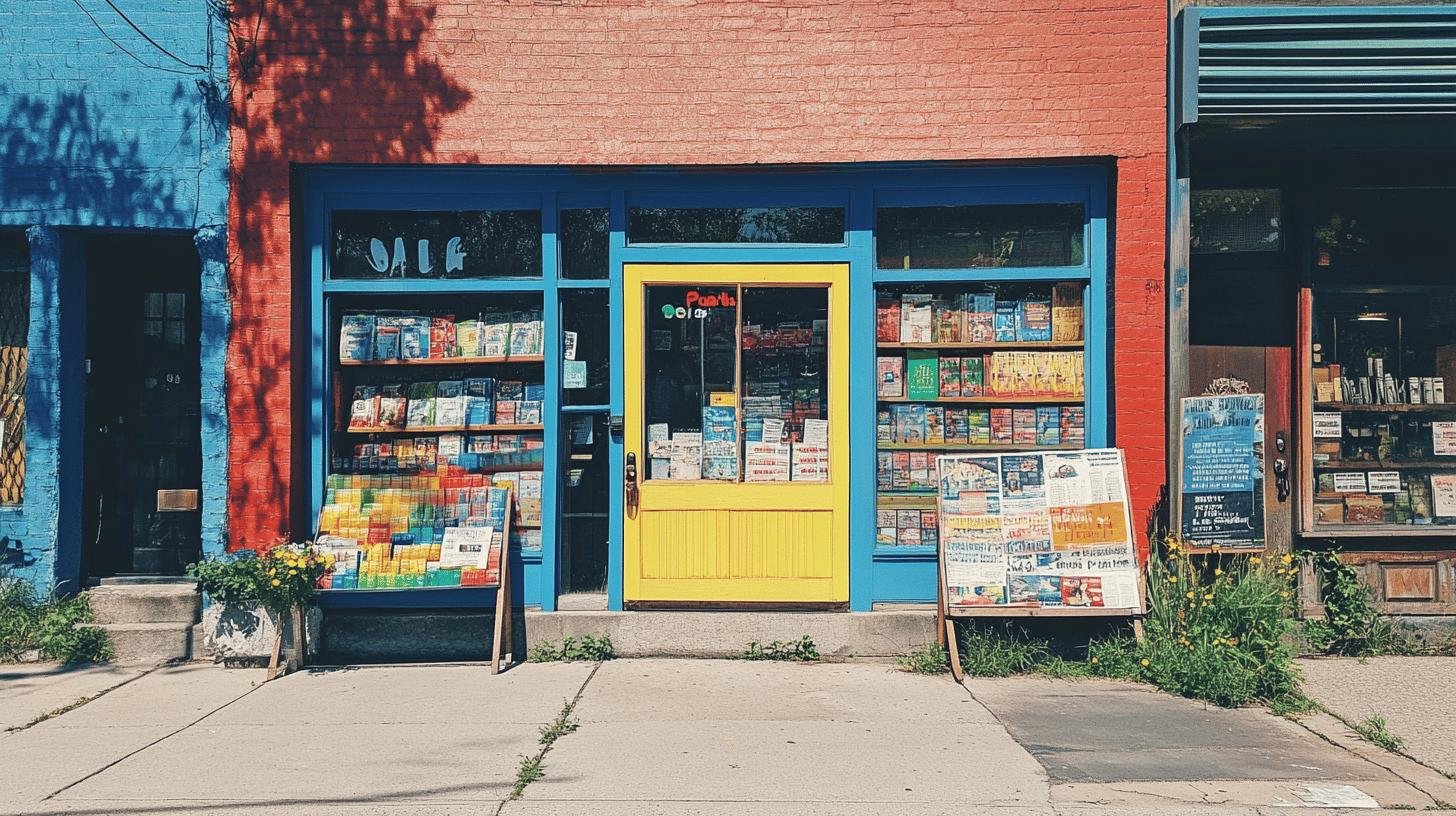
1267,61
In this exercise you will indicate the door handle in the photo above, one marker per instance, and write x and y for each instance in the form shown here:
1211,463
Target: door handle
1281,478
629,485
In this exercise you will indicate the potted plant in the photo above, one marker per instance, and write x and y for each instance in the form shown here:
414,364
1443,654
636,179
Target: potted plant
255,597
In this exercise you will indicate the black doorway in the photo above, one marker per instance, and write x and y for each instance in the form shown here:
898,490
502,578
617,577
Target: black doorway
142,482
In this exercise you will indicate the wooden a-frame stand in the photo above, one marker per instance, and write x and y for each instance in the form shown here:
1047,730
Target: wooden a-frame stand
504,630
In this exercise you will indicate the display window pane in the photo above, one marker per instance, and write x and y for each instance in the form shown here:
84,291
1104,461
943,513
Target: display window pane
437,403
1235,221
14,359
737,383
1391,229
1383,446
970,367
584,243
979,235
735,225
586,347
433,245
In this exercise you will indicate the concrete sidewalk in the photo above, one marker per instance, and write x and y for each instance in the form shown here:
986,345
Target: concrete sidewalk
1415,695
667,737
32,691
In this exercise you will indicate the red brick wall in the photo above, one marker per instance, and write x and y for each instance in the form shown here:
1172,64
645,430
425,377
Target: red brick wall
709,82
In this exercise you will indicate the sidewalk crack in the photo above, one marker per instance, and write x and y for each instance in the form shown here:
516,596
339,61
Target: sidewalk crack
530,768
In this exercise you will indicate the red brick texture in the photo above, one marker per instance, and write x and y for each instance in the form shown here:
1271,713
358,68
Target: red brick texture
550,82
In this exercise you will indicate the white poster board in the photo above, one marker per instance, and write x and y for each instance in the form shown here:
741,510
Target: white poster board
1045,531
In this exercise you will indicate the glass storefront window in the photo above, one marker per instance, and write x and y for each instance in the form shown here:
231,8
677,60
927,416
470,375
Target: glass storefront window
586,375
584,243
1235,221
14,358
735,225
737,383
980,235
1383,450
432,245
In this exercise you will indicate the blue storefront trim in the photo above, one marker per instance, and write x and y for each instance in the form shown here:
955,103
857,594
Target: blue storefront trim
876,574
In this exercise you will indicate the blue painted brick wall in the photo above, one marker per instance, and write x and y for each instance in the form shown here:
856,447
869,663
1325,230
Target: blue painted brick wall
104,129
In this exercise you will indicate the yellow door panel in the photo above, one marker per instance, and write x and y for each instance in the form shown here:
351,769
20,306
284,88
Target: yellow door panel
716,541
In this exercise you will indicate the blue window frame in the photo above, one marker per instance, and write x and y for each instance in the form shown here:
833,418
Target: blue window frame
885,575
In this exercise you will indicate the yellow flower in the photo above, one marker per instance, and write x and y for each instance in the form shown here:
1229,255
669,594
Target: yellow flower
1143,662
1233,641
1094,660
1217,571
1190,594
1208,596
1284,594
276,582
272,571
295,572
1172,579
1287,558
1256,559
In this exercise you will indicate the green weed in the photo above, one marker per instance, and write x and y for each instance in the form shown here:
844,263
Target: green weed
802,650
590,649
529,771
1373,730
931,658
52,626
1353,624
561,726
992,653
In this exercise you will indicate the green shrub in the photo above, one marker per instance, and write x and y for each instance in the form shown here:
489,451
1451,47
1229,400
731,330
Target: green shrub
235,578
802,650
1353,624
51,626
590,648
1217,629
931,658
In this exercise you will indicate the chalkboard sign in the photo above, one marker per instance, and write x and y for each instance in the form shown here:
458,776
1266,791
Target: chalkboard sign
1222,472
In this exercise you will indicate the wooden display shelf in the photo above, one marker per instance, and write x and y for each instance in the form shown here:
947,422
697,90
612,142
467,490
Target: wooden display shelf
1026,345
1007,401
447,361
1361,464
447,429
907,446
1384,408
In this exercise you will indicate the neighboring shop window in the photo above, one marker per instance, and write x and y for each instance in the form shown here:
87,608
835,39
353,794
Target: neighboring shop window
737,383
1382,346
735,225
426,245
14,353
584,243
979,235
967,367
437,399
1235,221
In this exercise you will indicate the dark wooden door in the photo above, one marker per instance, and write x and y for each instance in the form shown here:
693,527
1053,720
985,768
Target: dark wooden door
1258,370
143,434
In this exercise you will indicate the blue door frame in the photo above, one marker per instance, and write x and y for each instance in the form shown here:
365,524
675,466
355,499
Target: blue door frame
877,575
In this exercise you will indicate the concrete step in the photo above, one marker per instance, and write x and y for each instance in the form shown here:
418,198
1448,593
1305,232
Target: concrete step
387,636
147,644
837,635
145,603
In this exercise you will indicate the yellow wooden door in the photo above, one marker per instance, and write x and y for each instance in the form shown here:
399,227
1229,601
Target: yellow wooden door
706,541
